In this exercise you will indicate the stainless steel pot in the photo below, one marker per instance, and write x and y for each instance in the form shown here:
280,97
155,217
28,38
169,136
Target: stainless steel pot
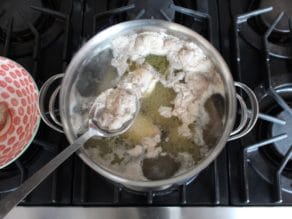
101,41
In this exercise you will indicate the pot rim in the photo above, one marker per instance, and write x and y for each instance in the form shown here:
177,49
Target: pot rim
206,47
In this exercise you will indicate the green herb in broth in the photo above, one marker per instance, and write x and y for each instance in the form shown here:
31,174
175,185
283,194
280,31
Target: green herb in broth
160,63
177,143
142,127
132,65
149,122
160,96
117,159
104,145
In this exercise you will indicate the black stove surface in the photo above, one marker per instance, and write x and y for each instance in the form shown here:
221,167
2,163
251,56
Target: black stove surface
44,35
260,43
36,44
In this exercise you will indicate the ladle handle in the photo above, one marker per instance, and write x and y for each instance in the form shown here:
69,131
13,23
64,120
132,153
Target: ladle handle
13,198
248,118
56,124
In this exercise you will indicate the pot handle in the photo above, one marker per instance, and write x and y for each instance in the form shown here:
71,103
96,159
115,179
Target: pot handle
50,116
247,120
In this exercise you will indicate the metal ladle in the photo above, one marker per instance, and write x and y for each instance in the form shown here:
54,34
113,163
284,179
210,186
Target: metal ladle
12,199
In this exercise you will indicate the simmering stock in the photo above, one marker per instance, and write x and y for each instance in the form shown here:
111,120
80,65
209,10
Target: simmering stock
182,107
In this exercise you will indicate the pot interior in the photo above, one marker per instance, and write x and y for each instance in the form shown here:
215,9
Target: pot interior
91,72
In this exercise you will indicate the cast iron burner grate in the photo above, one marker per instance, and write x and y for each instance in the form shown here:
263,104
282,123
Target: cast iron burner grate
278,7
10,49
91,189
41,62
23,24
55,189
256,22
269,157
151,9
167,10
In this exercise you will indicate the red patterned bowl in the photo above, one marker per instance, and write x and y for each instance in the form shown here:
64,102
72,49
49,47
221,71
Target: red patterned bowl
19,93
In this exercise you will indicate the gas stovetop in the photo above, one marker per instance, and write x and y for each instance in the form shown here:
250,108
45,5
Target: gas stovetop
255,41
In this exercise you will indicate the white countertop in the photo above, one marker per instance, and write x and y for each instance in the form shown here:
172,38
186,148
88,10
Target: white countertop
150,212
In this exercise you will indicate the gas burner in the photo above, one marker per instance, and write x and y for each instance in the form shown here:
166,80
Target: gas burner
14,174
271,155
282,147
262,146
20,12
181,12
278,150
37,154
24,23
278,7
151,9
253,25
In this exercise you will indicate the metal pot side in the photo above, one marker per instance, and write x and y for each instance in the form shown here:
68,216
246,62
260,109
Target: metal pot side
98,42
